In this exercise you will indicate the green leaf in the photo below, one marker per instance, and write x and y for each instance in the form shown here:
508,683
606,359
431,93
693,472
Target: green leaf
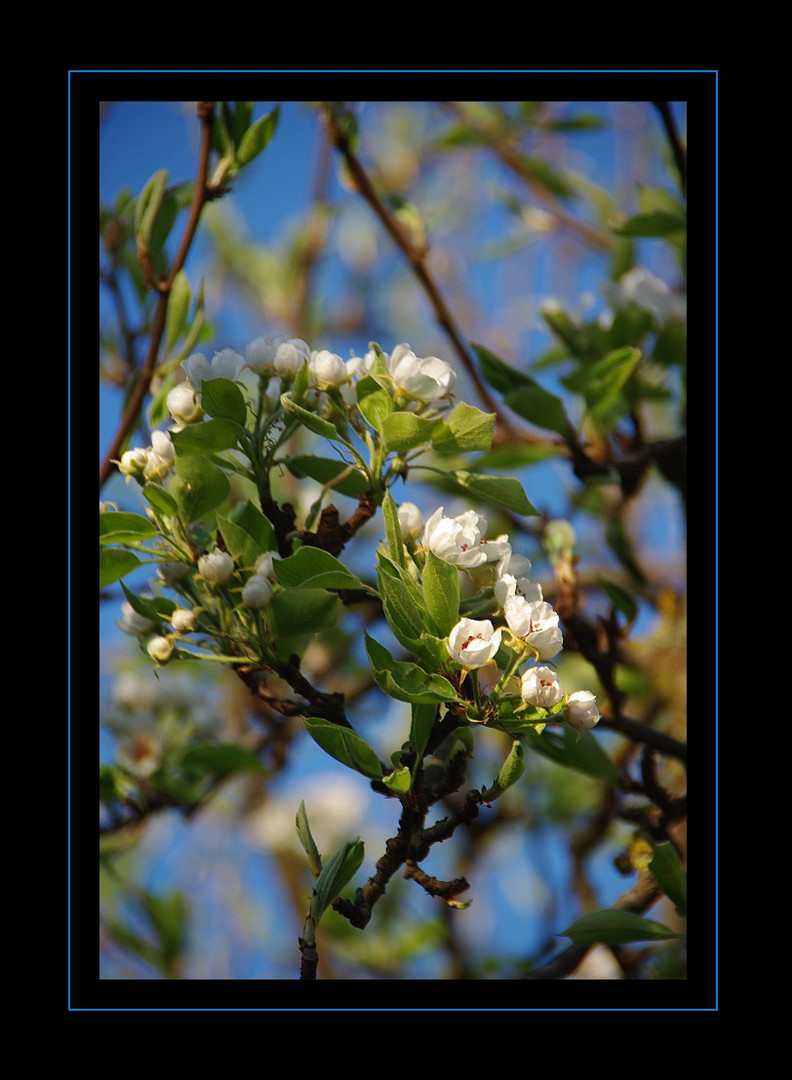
325,471
621,599
423,720
502,491
585,755
374,401
222,399
155,607
160,499
399,780
314,423
403,431
313,568
393,529
247,516
221,758
345,746
206,438
178,309
308,843
657,224
120,527
541,408
500,375
338,871
243,548
667,868
441,593
148,206
299,614
115,564
510,772
403,603
612,927
198,487
257,137
404,680
465,430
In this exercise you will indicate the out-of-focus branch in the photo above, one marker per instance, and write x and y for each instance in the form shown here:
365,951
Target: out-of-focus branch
203,193
417,263
678,150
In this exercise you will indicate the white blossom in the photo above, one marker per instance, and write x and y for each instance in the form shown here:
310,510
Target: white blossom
427,379
513,580
456,540
160,456
473,642
133,463
183,403
160,648
140,752
327,369
540,686
535,622
216,566
133,623
260,353
257,592
225,364
411,522
183,620
582,710
289,357
264,565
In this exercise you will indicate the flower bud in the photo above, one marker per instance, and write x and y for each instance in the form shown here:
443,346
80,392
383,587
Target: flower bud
216,566
257,592
183,404
183,620
263,565
160,648
289,357
411,522
133,463
260,354
582,711
327,369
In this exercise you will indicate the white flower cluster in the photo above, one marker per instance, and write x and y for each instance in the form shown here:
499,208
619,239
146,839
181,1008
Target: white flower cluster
153,463
531,622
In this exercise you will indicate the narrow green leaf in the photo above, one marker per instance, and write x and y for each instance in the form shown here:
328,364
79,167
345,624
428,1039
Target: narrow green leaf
308,843
338,871
160,499
148,206
246,515
375,402
657,224
667,868
178,309
541,408
621,599
257,137
510,772
441,593
345,746
423,720
584,755
243,548
392,529
500,375
314,423
612,927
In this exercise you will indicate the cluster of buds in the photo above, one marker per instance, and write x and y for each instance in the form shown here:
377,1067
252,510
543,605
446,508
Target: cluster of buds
154,463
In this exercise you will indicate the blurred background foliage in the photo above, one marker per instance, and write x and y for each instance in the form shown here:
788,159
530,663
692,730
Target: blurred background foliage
552,235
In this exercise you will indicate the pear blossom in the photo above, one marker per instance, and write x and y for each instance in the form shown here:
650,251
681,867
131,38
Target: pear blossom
133,463
160,457
133,623
290,356
183,403
225,364
216,566
513,580
359,366
327,369
540,686
473,642
264,565
427,379
260,354
411,522
257,592
536,623
140,753
456,540
160,648
184,620
582,710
